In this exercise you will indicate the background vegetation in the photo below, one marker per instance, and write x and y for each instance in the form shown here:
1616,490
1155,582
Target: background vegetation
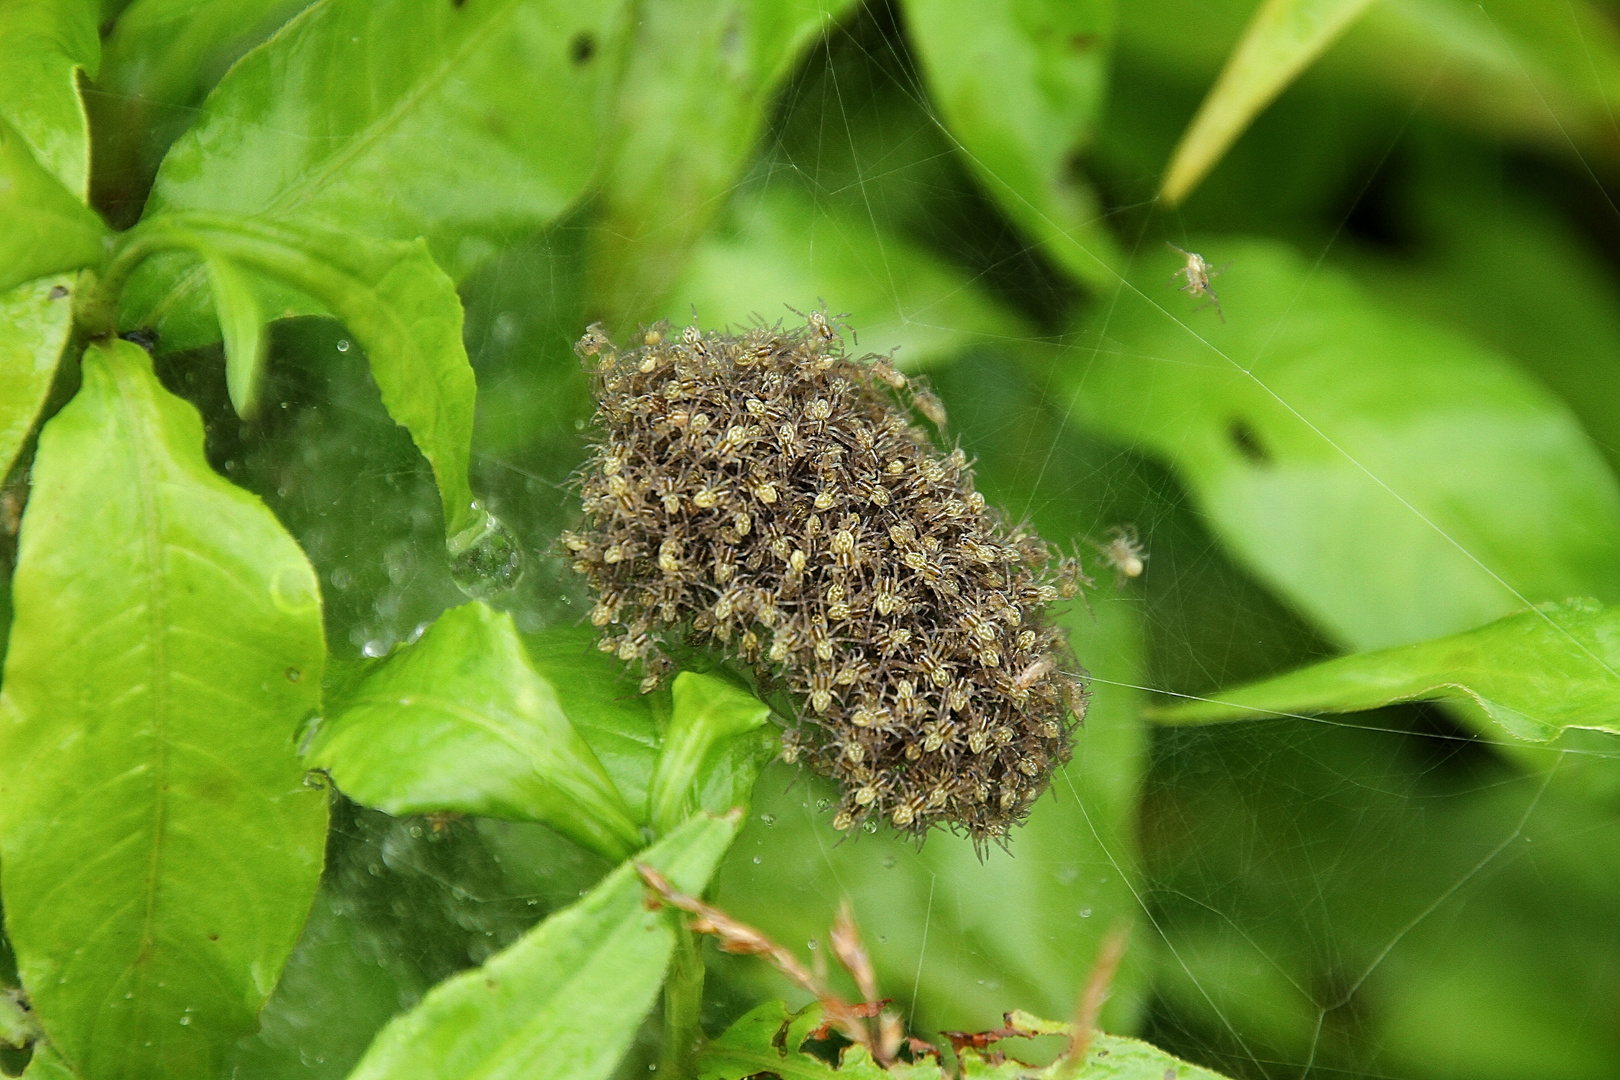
1348,774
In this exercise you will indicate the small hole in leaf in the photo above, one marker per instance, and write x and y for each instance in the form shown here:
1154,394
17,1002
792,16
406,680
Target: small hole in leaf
1247,442
582,48
57,292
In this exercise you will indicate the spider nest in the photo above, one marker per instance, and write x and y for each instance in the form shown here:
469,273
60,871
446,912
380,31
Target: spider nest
767,494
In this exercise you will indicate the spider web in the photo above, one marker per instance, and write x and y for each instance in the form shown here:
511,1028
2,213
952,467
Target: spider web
1387,894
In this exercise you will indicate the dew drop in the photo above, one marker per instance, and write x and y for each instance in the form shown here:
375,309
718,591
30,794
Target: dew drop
485,558
823,805
343,345
756,860
869,826
185,1021
811,944
1085,913
769,819
374,648
889,862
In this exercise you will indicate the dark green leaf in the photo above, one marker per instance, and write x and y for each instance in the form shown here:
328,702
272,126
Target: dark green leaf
391,296
780,248
687,118
1393,481
241,321
1282,39
471,125
45,43
1020,84
601,701
462,721
159,845
708,711
567,998
44,227
1534,673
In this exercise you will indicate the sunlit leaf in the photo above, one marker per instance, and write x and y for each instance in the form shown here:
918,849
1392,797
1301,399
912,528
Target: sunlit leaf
390,295
1280,41
159,846
241,320
602,702
461,721
686,120
1391,480
779,248
1534,673
45,44
472,125
567,998
44,227
708,711
1020,84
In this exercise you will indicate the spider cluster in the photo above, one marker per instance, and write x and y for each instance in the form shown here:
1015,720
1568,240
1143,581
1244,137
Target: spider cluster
768,494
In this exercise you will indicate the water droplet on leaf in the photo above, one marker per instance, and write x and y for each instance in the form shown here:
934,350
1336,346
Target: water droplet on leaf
485,559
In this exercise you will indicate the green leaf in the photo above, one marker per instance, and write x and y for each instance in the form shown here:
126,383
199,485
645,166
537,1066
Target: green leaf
159,845
461,721
1020,84
686,121
160,60
36,320
769,1040
567,998
44,227
472,125
1548,74
1282,39
1391,480
780,248
391,296
1534,673
619,724
708,711
45,43
241,320
47,1064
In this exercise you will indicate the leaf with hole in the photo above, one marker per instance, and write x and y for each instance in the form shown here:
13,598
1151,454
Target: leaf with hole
1392,480
159,845
566,998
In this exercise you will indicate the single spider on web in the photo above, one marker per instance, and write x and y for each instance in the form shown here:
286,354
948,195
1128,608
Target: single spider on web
1198,272
1124,552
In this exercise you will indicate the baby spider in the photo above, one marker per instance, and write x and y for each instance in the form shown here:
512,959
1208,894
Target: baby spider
1123,552
1197,272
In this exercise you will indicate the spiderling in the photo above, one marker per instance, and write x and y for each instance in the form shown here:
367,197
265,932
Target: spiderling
767,494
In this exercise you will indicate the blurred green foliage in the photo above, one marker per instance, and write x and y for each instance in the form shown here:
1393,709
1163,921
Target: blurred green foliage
1399,432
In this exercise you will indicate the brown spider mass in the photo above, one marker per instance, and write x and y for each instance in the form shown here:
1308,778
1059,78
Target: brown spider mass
768,494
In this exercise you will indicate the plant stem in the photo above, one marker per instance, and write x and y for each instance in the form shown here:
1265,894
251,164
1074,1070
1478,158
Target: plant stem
683,1001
